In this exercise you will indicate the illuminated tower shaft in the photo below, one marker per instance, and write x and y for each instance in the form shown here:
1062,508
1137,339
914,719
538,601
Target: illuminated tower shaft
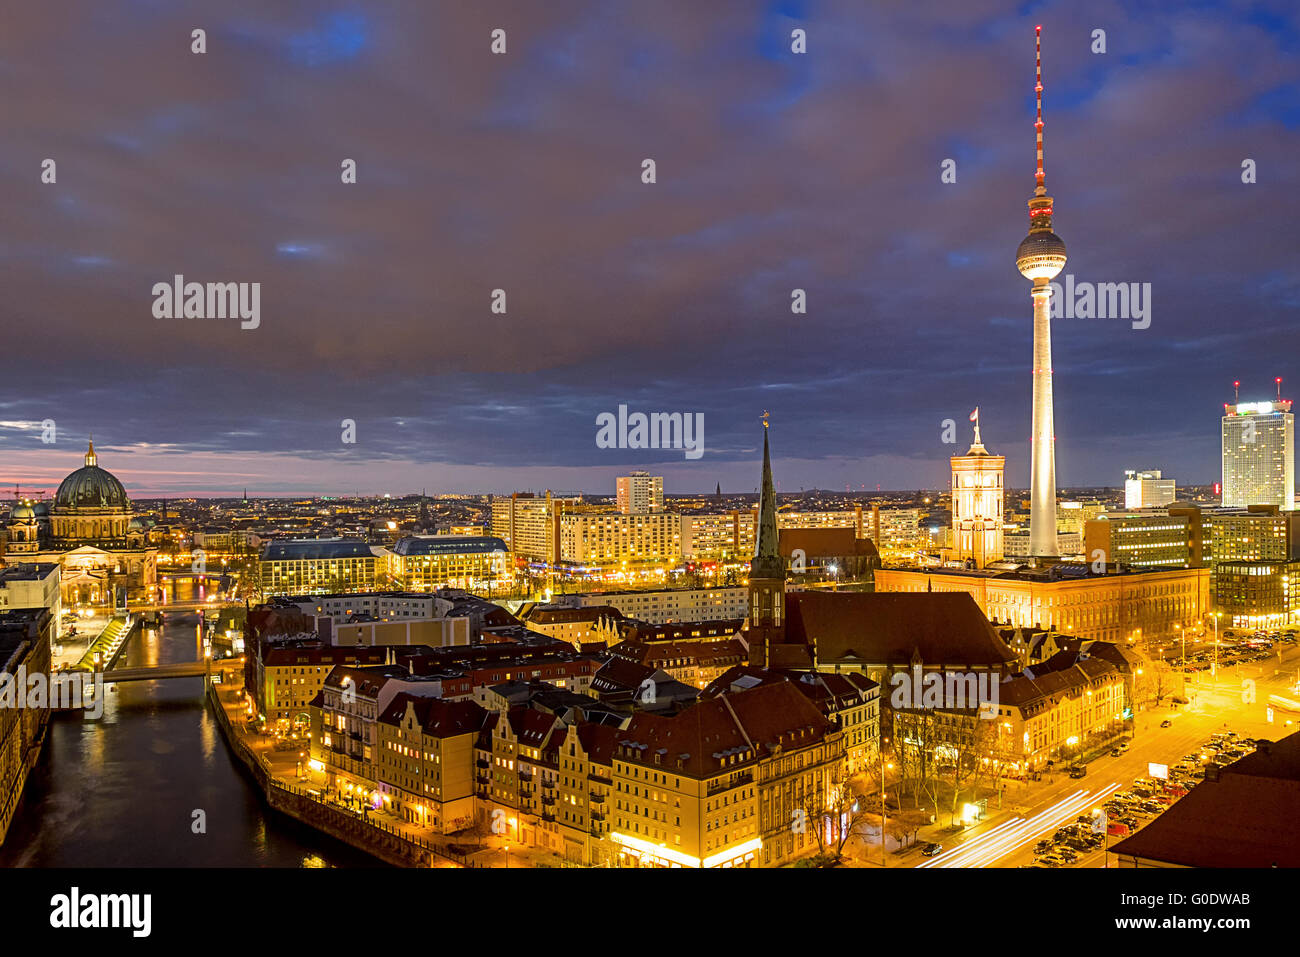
1042,479
1040,259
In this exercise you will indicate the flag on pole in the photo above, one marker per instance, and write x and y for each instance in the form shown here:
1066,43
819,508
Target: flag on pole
975,416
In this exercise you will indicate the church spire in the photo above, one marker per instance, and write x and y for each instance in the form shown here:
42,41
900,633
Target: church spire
767,562
90,453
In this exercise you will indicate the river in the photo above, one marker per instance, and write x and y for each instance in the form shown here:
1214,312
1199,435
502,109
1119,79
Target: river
122,791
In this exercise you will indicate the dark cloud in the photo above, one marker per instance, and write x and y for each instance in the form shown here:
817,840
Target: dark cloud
521,172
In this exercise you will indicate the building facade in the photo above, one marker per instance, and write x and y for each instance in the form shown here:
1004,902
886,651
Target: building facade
1259,454
639,493
90,532
977,502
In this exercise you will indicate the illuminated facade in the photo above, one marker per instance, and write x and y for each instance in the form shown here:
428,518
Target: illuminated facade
1259,454
669,604
430,562
530,525
1258,594
308,566
1040,257
977,501
1166,538
1116,606
639,493
89,531
599,537
1147,489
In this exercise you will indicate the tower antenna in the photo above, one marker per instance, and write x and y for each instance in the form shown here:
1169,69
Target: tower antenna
1278,380
1236,391
1039,176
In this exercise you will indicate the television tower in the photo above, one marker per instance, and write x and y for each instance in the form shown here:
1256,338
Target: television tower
1040,258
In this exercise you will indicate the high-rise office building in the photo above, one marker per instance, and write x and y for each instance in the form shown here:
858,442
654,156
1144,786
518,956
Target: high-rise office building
1259,454
640,492
1147,489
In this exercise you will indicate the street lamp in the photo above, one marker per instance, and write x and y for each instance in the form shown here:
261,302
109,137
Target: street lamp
884,860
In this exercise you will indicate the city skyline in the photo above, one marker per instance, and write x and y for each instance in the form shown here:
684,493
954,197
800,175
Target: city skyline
819,171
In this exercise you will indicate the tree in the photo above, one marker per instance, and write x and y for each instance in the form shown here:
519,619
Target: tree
838,813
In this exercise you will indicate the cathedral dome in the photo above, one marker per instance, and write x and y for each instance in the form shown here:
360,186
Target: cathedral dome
20,512
91,487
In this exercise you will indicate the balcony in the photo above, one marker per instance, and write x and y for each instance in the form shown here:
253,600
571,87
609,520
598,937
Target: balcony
548,783
483,763
598,799
548,800
597,815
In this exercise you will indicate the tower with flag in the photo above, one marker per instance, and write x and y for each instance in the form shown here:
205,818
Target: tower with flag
977,502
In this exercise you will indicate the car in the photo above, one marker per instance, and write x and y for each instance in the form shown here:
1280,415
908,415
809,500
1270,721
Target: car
1166,723
1052,860
1078,771
1079,844
931,849
1123,747
1042,847
1115,752
1117,829
1067,853
1084,819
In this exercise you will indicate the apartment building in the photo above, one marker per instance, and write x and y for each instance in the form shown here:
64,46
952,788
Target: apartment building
1057,715
530,525
639,493
668,604
604,538
426,760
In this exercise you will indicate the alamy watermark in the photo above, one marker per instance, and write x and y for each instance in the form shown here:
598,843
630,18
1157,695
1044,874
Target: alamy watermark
64,690
179,299
654,430
945,691
1103,300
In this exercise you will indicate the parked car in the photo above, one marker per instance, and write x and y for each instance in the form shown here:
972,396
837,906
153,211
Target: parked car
1042,847
1166,723
931,849
1078,771
1115,752
1117,829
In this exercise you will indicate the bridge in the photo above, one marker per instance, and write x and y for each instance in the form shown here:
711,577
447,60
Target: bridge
186,605
187,669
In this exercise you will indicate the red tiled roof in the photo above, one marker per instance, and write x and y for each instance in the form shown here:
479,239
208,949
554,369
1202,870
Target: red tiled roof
699,740
945,628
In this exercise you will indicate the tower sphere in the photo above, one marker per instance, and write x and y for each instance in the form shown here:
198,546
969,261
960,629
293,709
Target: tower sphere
1041,255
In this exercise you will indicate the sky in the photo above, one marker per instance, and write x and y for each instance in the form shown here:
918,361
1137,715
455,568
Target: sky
523,171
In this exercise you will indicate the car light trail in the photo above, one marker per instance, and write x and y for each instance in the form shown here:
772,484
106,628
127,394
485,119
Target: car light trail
1006,838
